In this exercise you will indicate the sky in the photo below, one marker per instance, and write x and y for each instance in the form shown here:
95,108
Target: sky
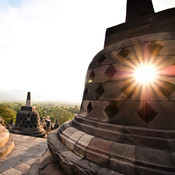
46,46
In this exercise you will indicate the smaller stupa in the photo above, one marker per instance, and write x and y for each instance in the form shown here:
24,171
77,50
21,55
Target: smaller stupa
28,121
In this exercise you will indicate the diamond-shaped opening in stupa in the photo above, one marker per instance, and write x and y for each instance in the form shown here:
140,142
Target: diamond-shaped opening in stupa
110,71
111,110
154,48
89,107
147,113
124,53
100,90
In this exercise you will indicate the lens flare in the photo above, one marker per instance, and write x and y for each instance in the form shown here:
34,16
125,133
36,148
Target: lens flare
145,74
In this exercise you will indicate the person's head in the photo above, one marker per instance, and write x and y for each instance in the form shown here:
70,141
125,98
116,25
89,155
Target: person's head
48,118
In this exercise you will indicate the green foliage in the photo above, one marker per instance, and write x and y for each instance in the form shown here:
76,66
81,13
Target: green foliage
44,110
61,112
7,113
74,109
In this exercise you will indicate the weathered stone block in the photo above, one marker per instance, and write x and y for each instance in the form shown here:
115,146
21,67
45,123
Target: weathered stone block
66,134
106,134
155,158
73,139
98,151
123,151
124,167
81,145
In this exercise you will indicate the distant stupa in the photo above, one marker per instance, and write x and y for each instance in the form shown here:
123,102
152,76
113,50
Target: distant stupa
28,121
126,124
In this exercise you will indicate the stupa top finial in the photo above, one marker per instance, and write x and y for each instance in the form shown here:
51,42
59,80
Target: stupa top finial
138,8
28,101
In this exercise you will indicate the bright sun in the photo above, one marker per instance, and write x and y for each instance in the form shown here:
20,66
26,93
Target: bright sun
145,74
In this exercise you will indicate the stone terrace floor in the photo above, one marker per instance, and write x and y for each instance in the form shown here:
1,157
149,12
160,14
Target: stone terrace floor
26,150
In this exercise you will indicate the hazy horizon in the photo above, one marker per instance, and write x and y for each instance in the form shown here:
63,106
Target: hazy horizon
19,96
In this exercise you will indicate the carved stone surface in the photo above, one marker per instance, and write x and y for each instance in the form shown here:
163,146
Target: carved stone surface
6,142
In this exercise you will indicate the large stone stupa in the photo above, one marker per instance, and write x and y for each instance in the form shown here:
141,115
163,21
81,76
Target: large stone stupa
126,124
28,121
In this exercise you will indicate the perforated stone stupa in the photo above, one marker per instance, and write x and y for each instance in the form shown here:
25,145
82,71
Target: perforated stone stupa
28,121
124,126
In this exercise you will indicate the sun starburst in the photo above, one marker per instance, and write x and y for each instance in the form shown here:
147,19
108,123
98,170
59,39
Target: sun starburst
145,74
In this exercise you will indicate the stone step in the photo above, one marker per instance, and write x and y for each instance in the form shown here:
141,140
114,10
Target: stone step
120,157
7,148
73,164
154,138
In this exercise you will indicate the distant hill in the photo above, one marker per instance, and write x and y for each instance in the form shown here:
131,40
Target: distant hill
12,95
17,95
